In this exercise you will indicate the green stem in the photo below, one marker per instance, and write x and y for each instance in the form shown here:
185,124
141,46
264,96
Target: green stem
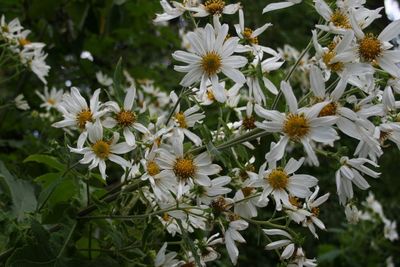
67,240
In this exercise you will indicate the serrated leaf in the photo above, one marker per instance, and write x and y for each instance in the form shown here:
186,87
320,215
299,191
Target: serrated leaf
46,159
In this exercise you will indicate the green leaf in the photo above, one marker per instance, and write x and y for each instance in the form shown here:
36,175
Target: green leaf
46,159
53,180
21,193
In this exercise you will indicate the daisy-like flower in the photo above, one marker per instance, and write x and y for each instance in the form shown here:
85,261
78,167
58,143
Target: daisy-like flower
339,19
166,260
214,7
301,125
186,168
247,208
10,30
374,49
249,36
206,194
312,203
21,103
125,118
277,181
231,235
349,173
99,150
212,55
169,11
352,214
161,183
287,242
207,251
77,112
185,120
50,99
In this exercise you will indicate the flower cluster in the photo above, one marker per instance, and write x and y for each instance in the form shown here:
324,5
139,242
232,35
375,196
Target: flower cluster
349,94
30,54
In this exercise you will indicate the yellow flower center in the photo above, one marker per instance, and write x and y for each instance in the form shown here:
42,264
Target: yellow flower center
219,205
295,201
184,168
249,123
211,63
84,116
369,48
101,149
327,57
384,136
23,42
210,95
339,19
328,110
247,191
214,6
315,211
152,168
247,35
296,126
181,119
166,217
278,179
51,101
5,28
125,118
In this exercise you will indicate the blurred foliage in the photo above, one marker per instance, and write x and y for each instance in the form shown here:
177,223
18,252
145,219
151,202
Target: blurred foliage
40,194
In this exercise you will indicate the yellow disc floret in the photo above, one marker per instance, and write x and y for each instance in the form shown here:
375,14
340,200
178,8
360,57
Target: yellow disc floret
101,149
84,116
296,126
214,6
181,119
184,168
247,34
126,118
328,110
152,168
341,20
278,179
370,48
211,63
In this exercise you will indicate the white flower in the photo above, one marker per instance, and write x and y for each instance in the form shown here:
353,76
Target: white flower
166,260
206,248
214,7
349,173
231,235
52,99
217,188
100,150
212,54
169,11
301,125
376,49
352,214
185,168
125,118
21,103
77,113
390,231
279,181
287,243
312,205
247,208
103,79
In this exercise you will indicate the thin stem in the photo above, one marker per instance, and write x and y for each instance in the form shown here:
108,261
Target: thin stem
67,240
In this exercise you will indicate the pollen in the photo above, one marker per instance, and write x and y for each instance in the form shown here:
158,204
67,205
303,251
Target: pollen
101,149
211,63
328,110
166,217
184,168
295,201
125,118
296,126
181,120
210,95
215,7
327,57
84,116
23,42
278,179
341,20
152,168
369,48
384,136
247,191
219,205
51,101
315,211
249,123
247,35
